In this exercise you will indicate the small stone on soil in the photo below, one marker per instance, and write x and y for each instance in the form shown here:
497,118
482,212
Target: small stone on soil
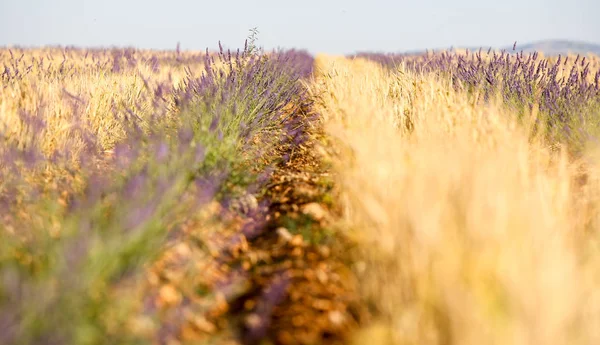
284,234
314,210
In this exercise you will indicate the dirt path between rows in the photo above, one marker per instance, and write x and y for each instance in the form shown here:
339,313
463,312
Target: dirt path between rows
277,275
303,292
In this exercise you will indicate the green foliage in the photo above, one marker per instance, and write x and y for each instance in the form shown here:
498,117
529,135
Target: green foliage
252,41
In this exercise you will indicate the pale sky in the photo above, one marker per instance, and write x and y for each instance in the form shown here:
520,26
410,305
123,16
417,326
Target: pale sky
328,26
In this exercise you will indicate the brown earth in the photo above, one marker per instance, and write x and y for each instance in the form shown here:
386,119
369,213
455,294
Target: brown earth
305,293
278,273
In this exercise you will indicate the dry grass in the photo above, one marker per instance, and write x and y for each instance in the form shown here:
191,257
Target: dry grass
102,94
470,231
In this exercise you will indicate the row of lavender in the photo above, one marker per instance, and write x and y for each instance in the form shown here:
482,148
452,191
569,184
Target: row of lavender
80,219
566,90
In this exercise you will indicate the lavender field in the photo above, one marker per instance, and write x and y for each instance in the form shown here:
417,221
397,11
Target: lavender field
271,197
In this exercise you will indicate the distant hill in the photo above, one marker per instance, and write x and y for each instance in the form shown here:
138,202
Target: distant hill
555,47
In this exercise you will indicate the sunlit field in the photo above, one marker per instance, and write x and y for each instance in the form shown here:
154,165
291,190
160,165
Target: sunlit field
252,197
473,227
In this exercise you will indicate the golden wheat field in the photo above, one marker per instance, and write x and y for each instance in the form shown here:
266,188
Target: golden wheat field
254,198
470,229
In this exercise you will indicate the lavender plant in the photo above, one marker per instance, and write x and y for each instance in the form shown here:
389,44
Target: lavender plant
568,95
244,101
80,219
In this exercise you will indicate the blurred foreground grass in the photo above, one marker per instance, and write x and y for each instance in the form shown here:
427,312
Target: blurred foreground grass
473,227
